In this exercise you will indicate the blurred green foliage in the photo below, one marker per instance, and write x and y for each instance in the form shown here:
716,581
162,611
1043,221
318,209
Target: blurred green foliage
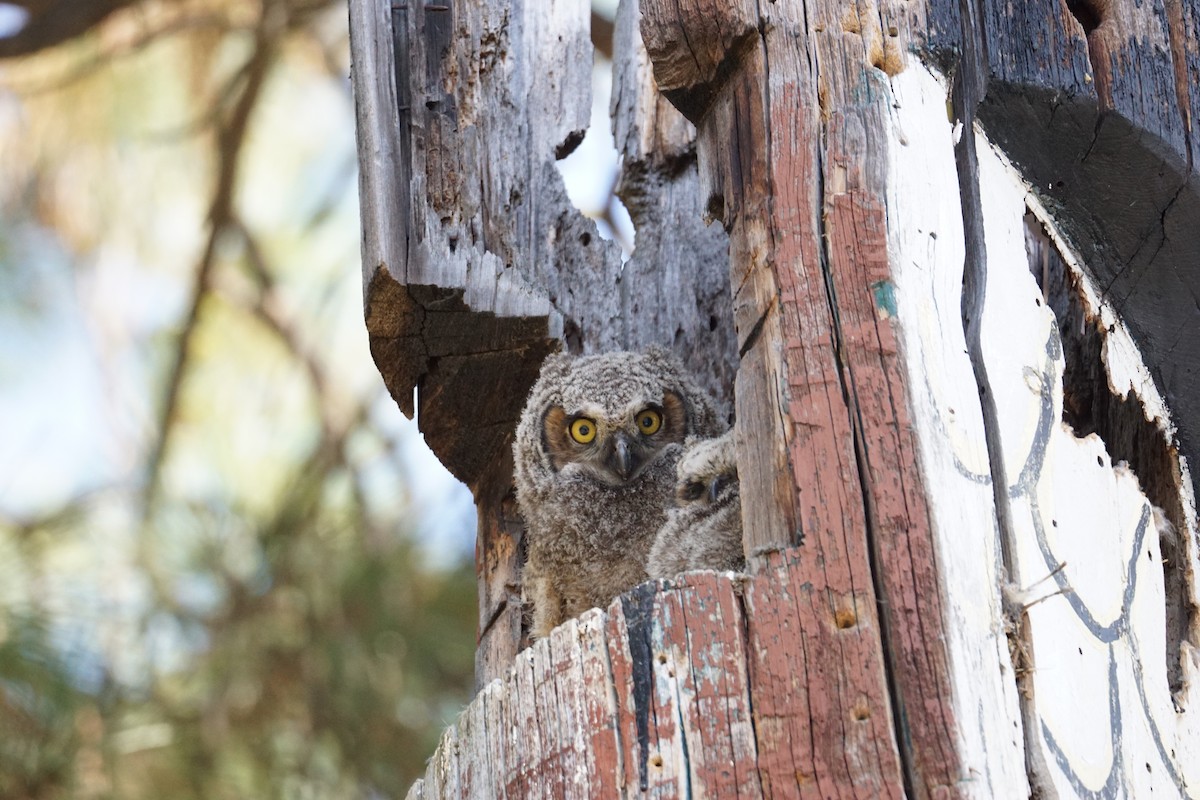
211,579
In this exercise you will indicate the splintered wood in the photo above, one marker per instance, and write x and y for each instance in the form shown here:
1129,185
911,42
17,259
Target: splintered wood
793,111
655,697
475,264
910,485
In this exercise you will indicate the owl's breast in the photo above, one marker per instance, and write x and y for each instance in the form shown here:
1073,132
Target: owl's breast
584,520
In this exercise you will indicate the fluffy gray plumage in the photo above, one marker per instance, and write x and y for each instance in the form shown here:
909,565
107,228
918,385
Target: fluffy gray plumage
592,510
704,530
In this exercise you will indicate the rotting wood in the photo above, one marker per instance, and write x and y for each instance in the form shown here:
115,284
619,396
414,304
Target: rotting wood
869,654
1126,423
675,287
475,265
1086,569
668,699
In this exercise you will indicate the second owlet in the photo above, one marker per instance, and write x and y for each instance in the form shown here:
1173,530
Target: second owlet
594,468
704,530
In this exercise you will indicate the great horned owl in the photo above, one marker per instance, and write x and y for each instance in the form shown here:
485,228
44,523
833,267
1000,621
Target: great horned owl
704,530
594,467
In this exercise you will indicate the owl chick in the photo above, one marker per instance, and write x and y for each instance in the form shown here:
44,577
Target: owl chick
704,530
594,468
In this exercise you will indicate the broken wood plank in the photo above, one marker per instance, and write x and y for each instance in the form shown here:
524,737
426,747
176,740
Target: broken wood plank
883,534
475,265
675,285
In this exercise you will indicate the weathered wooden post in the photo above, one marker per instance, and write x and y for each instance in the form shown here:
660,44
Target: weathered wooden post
962,260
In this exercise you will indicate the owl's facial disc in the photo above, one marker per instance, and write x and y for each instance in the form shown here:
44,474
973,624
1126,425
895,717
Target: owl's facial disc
613,448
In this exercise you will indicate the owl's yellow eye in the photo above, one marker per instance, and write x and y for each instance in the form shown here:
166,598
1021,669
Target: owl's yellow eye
583,430
649,421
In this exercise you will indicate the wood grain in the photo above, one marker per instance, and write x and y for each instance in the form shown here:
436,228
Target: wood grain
792,126
904,548
681,688
865,655
675,287
475,264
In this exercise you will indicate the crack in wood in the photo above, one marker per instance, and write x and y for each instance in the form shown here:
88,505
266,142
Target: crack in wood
969,85
1176,36
1092,15
756,331
637,606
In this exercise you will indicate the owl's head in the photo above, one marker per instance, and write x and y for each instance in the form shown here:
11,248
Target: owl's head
611,416
707,472
613,445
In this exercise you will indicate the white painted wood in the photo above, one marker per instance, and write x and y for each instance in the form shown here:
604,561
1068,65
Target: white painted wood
1106,724
927,252
1126,370
566,678
1105,718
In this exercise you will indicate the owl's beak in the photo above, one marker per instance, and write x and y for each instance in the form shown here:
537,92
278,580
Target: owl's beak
623,458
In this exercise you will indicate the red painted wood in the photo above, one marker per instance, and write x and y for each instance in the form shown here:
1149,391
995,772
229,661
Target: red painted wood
713,678
599,708
819,726
856,227
553,756
621,664
791,110
566,686
759,142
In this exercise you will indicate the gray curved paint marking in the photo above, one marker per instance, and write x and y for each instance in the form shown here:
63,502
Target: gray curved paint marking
1109,633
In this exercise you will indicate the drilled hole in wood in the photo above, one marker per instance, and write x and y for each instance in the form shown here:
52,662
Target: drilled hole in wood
656,761
1089,406
861,713
714,209
877,60
662,658
845,618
